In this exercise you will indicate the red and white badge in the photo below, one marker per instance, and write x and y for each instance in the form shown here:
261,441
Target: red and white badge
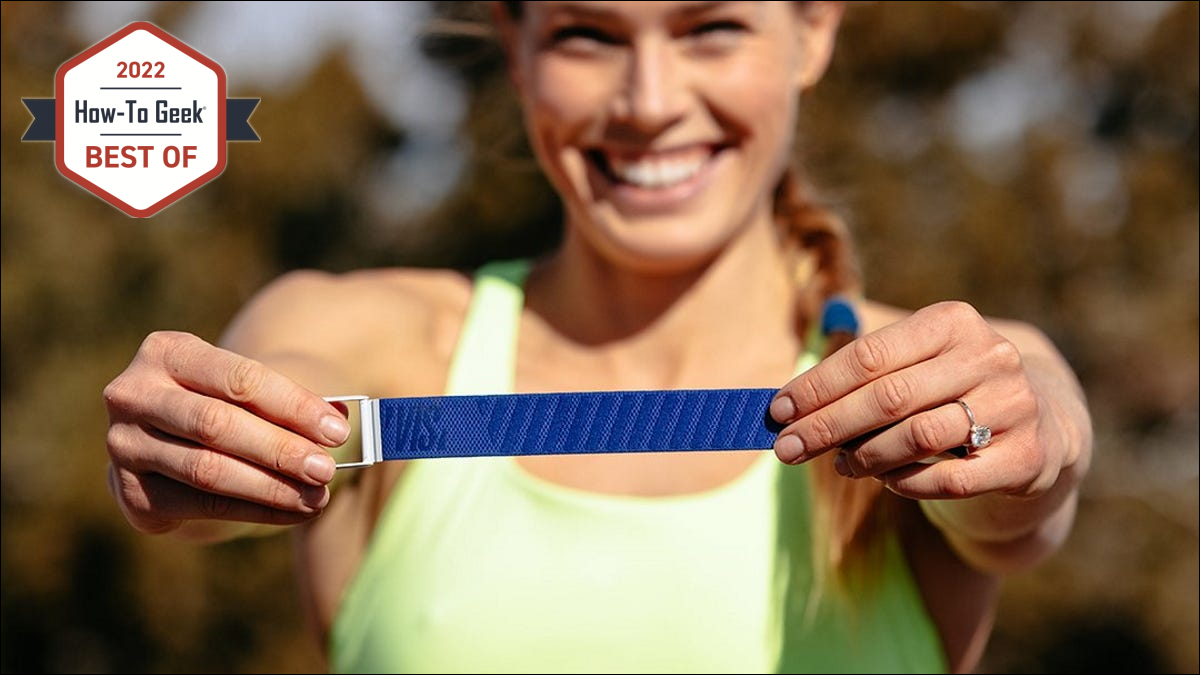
140,119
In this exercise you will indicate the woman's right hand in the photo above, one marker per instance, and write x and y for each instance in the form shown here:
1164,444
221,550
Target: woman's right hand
200,433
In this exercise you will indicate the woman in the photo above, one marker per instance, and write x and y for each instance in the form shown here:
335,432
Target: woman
691,259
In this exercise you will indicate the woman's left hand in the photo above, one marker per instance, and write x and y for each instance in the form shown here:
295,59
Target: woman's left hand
889,400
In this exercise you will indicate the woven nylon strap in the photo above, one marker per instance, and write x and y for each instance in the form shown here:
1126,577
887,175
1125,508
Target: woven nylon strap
591,422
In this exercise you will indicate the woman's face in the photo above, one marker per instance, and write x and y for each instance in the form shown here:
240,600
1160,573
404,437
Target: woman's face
665,126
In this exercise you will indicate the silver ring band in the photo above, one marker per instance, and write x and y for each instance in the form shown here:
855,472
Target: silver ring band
980,435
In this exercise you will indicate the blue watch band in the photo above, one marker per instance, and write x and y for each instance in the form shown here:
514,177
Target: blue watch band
567,423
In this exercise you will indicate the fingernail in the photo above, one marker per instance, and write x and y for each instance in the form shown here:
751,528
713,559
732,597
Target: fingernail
842,465
314,496
320,467
790,449
782,409
335,428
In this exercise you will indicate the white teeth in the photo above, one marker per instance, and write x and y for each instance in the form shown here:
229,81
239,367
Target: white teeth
656,172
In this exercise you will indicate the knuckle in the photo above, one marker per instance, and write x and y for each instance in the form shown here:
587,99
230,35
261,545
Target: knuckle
1040,475
930,433
305,407
127,394
288,456
117,394
162,343
870,353
864,460
282,495
823,432
1042,483
129,491
153,345
118,441
180,353
894,396
210,423
244,380
136,503
808,393
957,311
956,482
1004,356
204,469
1025,404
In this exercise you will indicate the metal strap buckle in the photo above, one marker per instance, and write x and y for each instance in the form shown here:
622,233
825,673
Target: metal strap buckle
371,450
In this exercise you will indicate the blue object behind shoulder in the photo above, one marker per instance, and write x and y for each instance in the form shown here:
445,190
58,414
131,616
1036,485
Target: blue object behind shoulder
838,316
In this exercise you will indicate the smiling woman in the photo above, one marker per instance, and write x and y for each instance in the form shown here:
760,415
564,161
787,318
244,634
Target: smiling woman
657,124
692,258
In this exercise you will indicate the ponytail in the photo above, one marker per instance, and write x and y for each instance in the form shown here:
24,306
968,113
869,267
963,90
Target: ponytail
819,245
845,514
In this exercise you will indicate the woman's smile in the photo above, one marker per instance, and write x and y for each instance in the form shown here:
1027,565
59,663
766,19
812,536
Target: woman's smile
655,181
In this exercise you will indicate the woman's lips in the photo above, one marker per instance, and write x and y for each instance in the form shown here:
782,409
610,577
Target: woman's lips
655,181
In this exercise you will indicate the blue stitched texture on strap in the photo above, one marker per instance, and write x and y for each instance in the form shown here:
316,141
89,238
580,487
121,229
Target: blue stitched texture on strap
587,422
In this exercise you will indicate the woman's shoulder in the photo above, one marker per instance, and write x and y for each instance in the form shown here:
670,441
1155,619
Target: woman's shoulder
364,297
411,311
411,288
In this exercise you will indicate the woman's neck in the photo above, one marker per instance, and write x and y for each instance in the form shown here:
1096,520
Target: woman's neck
658,330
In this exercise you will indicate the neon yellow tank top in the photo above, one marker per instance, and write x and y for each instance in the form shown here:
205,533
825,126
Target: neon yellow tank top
478,566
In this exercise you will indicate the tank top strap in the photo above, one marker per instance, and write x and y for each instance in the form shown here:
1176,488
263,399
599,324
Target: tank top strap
485,358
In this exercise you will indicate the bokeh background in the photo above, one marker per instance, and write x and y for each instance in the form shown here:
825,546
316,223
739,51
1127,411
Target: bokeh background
1039,159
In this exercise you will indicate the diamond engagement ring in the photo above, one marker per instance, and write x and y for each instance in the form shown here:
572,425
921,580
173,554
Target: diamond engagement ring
980,435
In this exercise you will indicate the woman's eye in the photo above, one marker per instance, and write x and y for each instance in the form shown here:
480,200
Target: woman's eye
716,37
715,28
582,34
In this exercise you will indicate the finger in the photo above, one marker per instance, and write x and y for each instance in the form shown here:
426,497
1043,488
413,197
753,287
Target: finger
922,335
215,424
222,374
148,451
153,504
883,402
917,438
991,470
863,360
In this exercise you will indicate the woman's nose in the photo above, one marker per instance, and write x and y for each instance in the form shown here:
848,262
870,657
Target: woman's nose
655,92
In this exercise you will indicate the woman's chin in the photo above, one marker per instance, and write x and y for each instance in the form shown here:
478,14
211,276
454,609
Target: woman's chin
663,254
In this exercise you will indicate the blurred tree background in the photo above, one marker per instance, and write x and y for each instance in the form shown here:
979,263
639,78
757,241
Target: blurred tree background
1039,159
